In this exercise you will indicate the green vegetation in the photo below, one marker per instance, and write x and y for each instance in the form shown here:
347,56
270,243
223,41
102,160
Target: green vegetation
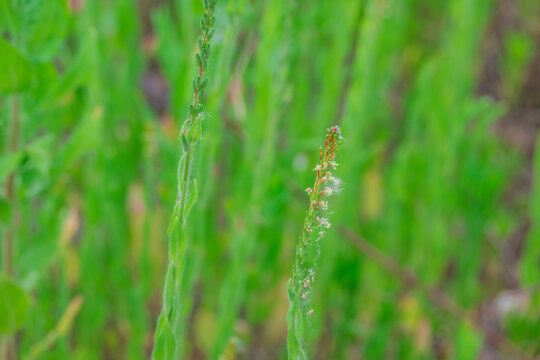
316,223
170,320
434,249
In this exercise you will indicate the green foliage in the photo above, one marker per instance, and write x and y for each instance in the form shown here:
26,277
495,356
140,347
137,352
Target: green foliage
166,344
96,151
18,74
14,305
9,163
518,53
316,223
530,264
5,212
468,343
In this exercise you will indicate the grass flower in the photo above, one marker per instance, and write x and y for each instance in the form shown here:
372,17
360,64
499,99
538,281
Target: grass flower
307,250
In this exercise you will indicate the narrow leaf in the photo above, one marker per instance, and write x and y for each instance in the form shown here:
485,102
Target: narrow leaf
9,163
13,305
165,343
192,197
16,74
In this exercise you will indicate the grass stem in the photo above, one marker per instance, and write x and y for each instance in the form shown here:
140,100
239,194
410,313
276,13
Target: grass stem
166,339
8,345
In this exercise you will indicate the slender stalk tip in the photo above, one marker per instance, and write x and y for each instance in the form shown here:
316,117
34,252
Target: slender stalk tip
307,249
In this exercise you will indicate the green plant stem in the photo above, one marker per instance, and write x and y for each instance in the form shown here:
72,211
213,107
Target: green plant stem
59,331
8,346
185,178
10,188
299,287
167,342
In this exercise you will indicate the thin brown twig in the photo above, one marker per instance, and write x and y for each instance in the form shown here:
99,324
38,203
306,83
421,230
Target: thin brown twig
437,297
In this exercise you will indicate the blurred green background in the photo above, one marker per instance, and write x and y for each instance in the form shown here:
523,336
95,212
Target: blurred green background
439,103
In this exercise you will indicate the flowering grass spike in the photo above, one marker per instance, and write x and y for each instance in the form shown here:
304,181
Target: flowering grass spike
166,338
316,223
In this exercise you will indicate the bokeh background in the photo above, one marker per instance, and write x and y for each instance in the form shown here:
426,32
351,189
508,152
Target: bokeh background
439,103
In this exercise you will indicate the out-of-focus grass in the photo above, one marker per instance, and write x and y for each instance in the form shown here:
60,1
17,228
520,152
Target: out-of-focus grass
102,88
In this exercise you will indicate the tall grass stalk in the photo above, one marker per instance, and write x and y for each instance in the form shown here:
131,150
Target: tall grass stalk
7,347
165,339
10,187
530,272
299,287
251,187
